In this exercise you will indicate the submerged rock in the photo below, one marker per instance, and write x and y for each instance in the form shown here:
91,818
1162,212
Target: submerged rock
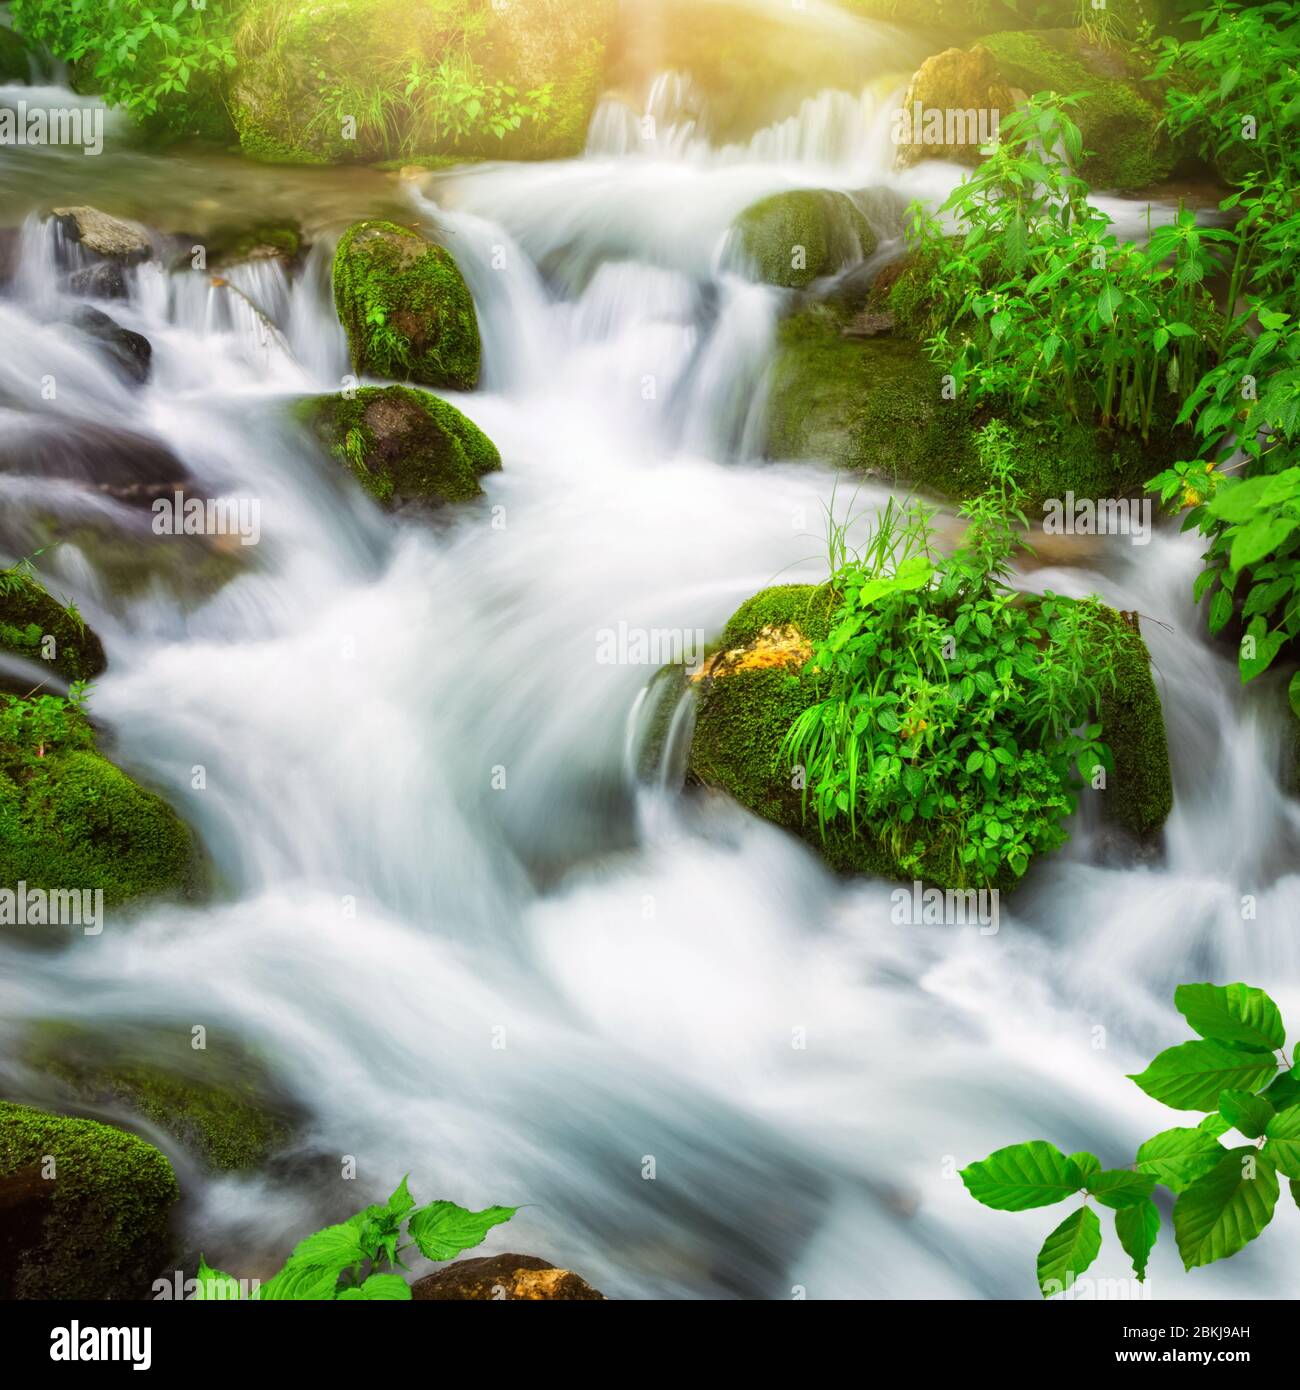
130,353
502,1278
550,53
404,446
405,307
103,281
754,687
84,1208
132,468
104,235
217,1101
36,626
791,239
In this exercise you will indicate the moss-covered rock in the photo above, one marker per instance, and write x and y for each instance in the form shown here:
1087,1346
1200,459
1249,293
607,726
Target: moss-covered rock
791,239
257,241
956,80
877,405
36,626
85,1208
16,57
1120,116
405,307
403,446
753,688
306,71
217,1100
70,819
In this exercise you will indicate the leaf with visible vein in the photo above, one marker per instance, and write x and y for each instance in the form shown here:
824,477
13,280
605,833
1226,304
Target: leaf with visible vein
443,1229
1232,1013
1283,1141
1225,1209
1068,1251
1137,1228
1177,1157
1023,1176
1247,1114
1118,1188
1192,1075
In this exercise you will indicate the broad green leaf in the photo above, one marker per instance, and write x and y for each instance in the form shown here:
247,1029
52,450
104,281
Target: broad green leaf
335,1247
1068,1251
1246,1113
442,1229
1022,1176
1119,1188
1086,1163
389,1288
1137,1228
1215,1124
1226,1208
1232,1013
1283,1146
300,1283
1192,1075
215,1286
1177,1157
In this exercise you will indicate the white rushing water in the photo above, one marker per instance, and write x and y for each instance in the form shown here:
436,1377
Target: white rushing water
385,916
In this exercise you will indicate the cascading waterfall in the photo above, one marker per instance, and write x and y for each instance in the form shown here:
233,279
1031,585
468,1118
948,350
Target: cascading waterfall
381,908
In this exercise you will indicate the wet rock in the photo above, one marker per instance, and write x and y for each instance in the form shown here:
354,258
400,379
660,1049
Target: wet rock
404,446
97,1226
102,281
952,87
10,242
405,307
794,238
132,468
131,353
36,627
502,1278
103,235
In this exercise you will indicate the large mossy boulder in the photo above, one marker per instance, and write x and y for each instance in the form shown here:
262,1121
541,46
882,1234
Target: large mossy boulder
958,80
791,239
70,819
83,1208
38,627
1119,117
877,404
216,1100
296,59
405,307
754,686
403,446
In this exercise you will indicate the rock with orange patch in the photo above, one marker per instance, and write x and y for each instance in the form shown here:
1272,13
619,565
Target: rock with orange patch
503,1278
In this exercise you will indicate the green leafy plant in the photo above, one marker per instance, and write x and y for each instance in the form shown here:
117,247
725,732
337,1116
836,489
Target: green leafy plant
956,712
141,53
30,728
359,1257
1237,1072
1037,305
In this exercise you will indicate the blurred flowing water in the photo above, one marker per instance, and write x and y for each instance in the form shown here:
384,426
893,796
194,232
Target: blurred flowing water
384,913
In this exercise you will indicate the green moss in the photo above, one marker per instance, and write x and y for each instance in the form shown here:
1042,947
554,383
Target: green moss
403,445
29,616
743,716
228,245
794,238
15,57
405,307
1140,792
217,1100
106,1233
1120,126
73,820
877,405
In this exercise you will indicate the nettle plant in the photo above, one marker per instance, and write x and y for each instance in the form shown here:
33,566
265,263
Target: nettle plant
1223,1196
954,711
1036,304
357,1258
